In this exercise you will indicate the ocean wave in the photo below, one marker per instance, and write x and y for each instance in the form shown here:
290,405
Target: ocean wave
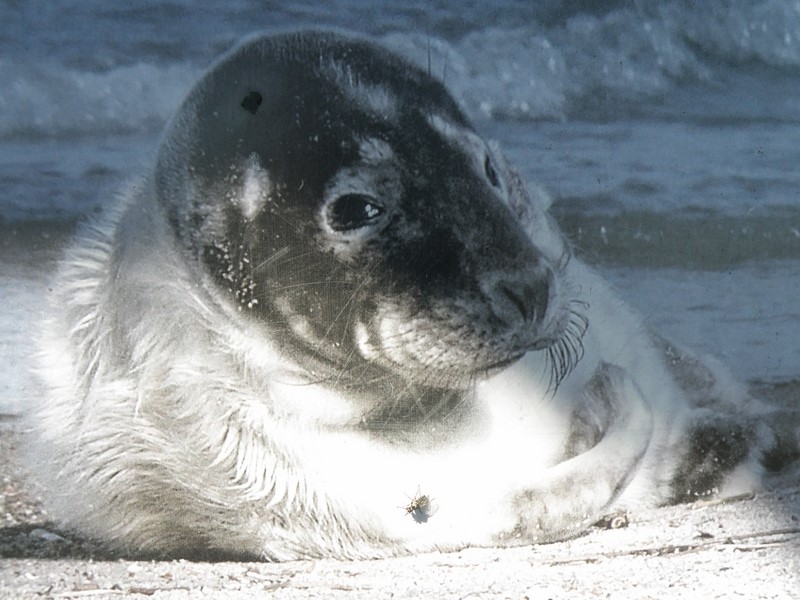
597,64
507,60
51,101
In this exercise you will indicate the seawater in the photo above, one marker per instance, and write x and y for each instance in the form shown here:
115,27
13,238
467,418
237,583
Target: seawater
668,132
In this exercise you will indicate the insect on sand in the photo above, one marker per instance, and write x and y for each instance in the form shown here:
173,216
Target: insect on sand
421,507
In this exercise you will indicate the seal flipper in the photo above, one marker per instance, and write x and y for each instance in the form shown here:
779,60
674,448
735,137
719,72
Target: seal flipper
733,435
579,491
728,453
714,448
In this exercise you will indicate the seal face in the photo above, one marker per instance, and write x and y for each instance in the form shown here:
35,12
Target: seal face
336,193
330,291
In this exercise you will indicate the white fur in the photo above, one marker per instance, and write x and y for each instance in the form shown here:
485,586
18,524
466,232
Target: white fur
374,151
373,98
204,435
256,189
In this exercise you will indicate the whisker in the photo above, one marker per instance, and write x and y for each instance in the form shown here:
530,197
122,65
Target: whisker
302,284
346,367
350,299
564,355
270,260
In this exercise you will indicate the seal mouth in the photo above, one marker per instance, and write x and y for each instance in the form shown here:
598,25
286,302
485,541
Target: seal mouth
562,346
453,344
498,366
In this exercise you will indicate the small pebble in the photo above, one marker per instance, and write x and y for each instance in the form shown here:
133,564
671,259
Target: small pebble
47,536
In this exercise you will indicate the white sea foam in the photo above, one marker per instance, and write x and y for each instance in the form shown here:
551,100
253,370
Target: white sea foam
47,100
504,60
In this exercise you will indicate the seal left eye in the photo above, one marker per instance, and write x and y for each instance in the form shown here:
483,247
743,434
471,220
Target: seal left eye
491,174
353,211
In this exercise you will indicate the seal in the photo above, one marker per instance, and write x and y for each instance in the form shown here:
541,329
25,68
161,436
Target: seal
331,290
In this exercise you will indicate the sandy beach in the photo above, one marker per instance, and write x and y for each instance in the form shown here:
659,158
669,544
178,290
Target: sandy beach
745,547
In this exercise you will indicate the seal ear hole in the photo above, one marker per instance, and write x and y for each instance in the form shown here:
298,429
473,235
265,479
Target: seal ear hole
353,211
491,174
252,101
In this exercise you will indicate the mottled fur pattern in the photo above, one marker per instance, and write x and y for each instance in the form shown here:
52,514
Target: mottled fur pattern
237,363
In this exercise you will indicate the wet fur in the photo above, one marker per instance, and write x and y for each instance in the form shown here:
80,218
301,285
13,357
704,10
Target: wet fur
180,422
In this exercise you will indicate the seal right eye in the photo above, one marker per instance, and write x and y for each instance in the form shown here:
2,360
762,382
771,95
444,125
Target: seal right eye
491,174
353,211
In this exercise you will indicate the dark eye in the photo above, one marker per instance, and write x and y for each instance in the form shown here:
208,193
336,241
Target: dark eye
491,174
353,211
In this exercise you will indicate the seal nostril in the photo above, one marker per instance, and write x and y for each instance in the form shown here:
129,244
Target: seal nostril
519,302
527,298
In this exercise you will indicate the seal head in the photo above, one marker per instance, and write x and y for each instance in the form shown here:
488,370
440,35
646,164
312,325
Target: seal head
339,197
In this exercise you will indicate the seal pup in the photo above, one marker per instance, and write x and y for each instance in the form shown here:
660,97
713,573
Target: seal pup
330,290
